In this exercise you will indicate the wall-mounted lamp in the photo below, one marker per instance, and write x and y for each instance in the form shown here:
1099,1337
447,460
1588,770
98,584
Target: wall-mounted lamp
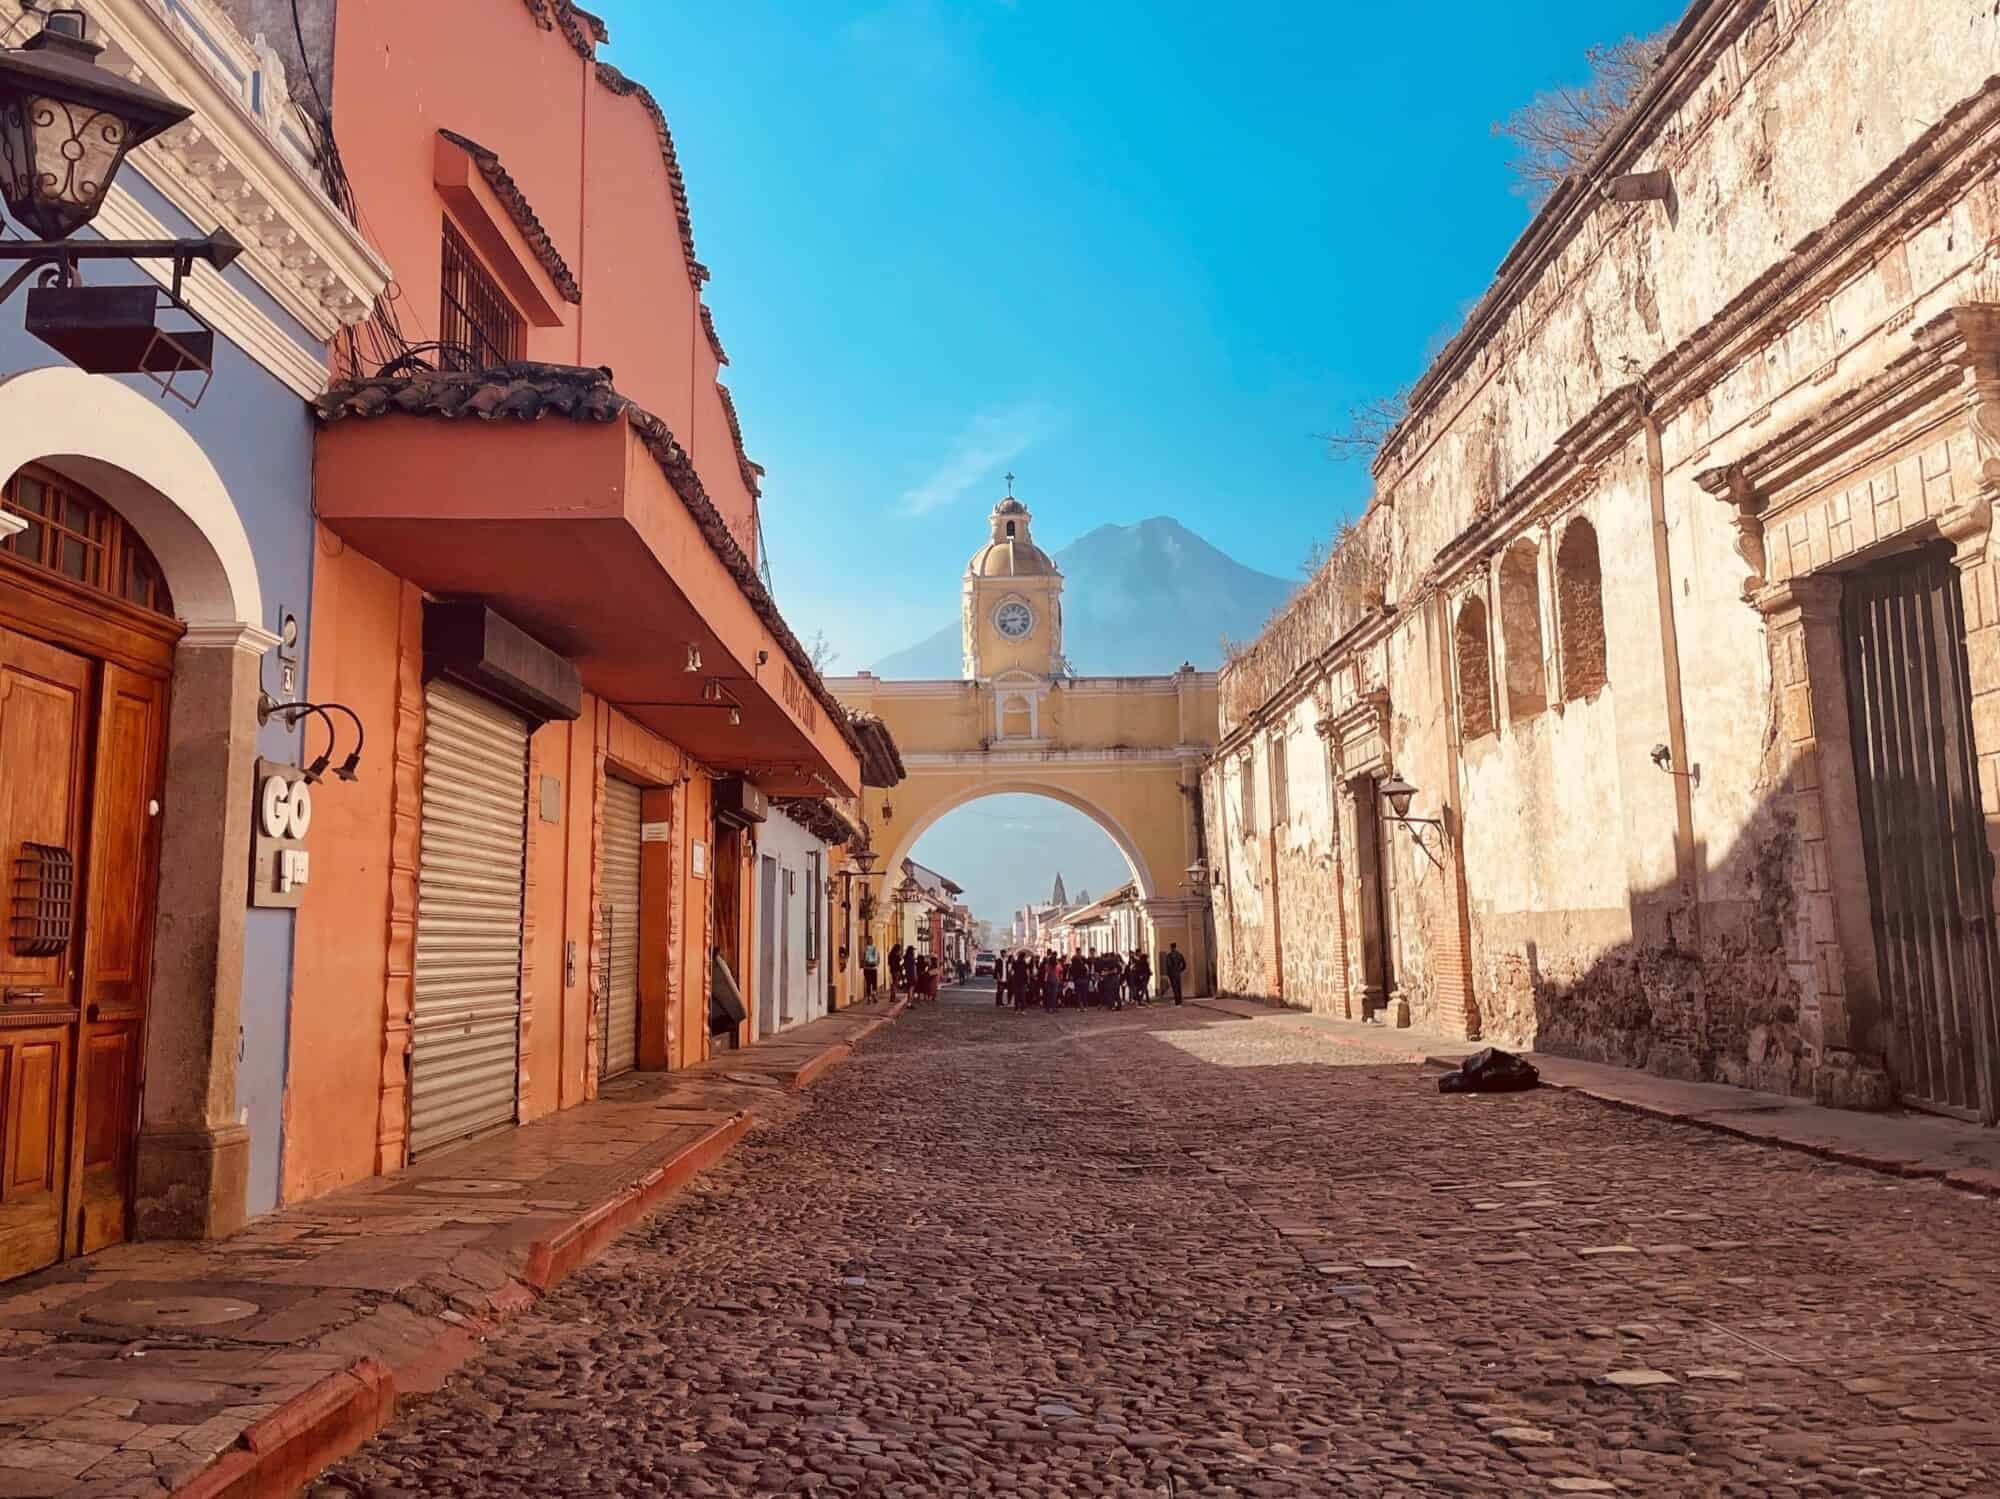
66,125
735,718
693,658
1399,793
1198,875
1664,758
711,690
269,708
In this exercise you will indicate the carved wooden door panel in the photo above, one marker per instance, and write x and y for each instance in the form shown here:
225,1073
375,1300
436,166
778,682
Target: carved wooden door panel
121,879
45,723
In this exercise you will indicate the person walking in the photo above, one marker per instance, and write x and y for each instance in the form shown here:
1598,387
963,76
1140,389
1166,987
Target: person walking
1173,965
910,971
871,962
895,968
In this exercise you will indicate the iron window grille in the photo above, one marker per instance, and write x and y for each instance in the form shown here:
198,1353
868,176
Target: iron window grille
478,326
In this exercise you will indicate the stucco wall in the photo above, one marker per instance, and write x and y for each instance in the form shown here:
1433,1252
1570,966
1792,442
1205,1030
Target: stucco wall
1611,908
590,163
802,996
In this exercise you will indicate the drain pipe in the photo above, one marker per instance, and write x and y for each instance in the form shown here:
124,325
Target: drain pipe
1683,775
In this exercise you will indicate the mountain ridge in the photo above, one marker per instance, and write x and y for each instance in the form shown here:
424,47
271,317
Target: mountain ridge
1138,600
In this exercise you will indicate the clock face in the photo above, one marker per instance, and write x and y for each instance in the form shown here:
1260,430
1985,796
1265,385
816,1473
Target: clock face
1014,619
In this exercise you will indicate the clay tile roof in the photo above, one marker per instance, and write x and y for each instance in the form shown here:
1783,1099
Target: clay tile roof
714,338
509,192
881,761
580,29
626,88
753,473
819,817
528,391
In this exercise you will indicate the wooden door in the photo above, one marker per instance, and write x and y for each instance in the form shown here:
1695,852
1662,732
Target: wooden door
1930,876
45,725
121,876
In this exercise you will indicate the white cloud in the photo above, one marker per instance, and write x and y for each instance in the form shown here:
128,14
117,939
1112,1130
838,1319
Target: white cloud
993,438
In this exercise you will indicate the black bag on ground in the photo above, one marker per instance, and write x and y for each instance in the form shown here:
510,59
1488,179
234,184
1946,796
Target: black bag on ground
1491,1071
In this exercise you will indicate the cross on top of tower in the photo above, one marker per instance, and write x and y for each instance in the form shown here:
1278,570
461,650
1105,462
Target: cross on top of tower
1010,486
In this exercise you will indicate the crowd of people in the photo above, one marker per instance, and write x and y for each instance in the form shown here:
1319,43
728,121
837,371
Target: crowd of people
910,972
1029,980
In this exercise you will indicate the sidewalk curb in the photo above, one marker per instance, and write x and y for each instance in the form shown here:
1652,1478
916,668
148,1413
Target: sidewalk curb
279,1455
1978,1180
551,1260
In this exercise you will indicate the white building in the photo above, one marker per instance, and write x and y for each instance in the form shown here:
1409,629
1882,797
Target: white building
793,971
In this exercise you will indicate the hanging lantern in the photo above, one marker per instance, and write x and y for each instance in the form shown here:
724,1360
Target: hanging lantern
66,124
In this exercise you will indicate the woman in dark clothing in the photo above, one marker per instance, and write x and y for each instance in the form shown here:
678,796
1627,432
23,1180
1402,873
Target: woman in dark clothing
895,968
1139,976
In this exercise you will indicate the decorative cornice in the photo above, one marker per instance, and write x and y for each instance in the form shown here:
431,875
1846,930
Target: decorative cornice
1934,171
508,191
227,635
228,166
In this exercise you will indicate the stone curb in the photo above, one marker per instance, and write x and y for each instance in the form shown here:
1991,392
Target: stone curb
551,1260
280,1454
1975,1179
1981,1180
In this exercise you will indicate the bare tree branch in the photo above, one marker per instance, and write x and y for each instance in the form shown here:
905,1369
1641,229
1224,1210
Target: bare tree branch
1368,426
1559,130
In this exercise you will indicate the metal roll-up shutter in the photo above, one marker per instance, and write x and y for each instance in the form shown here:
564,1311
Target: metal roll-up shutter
467,1022
618,897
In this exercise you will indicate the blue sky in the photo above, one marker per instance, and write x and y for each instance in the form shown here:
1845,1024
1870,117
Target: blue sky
1139,251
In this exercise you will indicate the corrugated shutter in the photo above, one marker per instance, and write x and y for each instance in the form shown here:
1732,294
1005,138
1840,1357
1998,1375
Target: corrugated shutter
618,894
463,1054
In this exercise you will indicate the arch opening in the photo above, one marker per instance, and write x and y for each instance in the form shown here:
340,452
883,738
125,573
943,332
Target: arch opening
908,836
114,442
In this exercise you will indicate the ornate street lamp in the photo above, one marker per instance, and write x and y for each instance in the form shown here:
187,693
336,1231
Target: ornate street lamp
1399,793
66,125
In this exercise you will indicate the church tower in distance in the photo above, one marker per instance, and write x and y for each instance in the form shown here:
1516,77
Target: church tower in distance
1011,617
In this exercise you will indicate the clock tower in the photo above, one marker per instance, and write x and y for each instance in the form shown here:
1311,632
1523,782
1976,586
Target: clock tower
1012,611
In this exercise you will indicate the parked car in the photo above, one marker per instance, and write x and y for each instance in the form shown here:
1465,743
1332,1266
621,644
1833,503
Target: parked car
982,964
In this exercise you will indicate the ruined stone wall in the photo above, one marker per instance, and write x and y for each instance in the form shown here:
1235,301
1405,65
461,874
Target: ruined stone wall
1532,532
1313,975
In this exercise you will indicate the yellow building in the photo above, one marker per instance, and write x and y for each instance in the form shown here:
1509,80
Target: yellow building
1125,751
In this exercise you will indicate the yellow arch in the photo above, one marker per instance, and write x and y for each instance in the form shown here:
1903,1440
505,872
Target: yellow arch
913,828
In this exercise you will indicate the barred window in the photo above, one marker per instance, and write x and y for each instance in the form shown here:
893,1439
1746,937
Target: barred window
477,324
1281,789
73,533
1249,788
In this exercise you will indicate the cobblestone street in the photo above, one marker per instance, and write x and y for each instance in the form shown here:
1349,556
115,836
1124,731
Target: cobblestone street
1165,1252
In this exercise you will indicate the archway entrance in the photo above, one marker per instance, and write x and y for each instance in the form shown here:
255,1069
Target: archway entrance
126,590
1124,751
1023,861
